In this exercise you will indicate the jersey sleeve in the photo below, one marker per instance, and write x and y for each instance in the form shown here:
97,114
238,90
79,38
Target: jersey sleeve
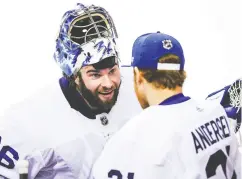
53,162
17,141
11,140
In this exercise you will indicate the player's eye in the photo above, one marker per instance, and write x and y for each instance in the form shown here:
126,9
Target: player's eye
112,71
95,75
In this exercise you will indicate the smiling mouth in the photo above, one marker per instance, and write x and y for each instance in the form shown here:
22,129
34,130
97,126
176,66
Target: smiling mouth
106,93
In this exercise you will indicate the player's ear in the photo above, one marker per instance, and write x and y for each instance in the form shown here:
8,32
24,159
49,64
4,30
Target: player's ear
185,74
138,77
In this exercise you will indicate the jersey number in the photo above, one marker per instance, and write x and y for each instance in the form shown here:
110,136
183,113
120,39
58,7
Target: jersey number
216,159
5,159
118,175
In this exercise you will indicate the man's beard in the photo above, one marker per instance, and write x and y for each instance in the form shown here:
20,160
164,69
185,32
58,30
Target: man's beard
93,99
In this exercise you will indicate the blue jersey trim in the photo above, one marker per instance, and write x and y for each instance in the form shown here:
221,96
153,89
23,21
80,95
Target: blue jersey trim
178,98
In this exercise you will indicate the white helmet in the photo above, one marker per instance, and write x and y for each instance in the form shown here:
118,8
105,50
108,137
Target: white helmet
87,35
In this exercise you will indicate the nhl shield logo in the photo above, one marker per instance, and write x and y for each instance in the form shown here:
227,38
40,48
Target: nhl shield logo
167,44
104,120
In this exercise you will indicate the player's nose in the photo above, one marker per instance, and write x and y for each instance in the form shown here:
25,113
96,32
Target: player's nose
106,82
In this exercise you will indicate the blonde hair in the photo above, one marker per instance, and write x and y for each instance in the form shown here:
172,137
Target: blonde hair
165,78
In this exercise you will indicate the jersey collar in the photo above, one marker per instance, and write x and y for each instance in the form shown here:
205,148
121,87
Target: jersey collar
178,98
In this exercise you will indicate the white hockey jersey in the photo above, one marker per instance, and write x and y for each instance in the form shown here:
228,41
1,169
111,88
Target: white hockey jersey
178,139
58,141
